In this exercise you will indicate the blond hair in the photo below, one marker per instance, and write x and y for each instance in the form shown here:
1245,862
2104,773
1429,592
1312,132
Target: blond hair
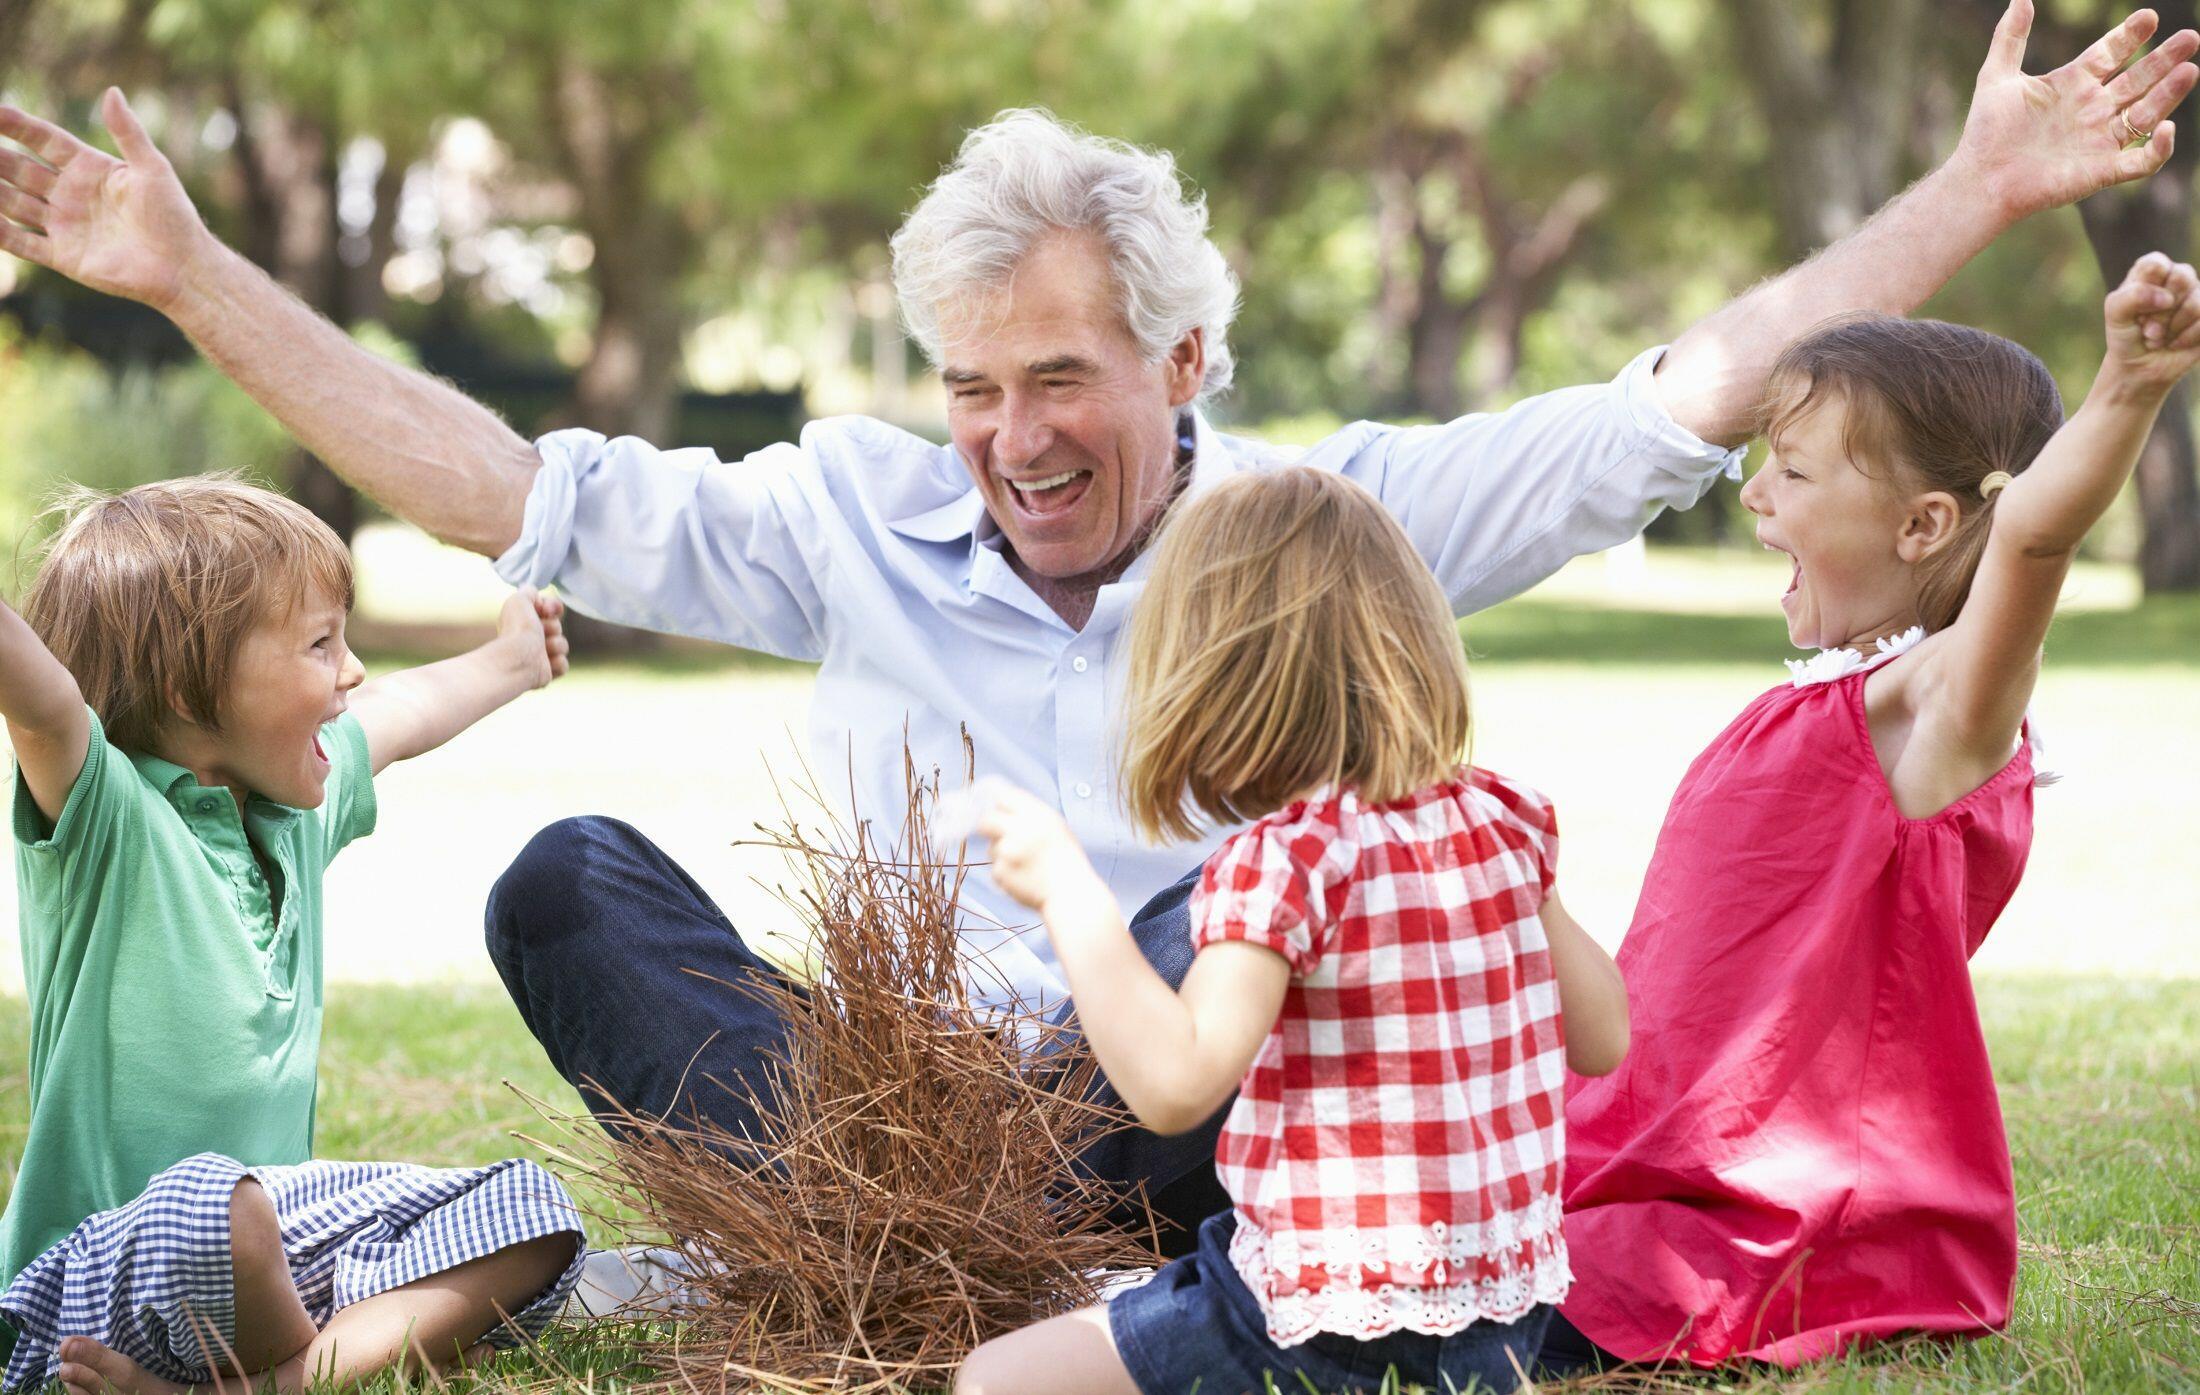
145,595
1289,639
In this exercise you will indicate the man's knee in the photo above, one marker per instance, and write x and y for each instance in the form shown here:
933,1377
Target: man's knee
540,896
1162,929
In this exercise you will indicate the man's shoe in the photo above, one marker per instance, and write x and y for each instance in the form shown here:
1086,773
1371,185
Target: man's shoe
632,1281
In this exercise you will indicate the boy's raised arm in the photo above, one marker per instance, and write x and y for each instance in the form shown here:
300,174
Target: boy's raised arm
418,709
44,708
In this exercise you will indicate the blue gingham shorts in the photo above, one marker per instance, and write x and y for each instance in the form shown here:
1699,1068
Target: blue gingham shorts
153,1279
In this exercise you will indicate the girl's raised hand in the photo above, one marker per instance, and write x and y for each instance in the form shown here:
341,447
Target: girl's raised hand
1035,856
2154,322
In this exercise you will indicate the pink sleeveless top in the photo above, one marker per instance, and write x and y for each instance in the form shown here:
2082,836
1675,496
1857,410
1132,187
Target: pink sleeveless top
1803,1148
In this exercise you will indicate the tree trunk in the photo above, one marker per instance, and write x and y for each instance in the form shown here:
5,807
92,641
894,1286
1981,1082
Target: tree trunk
289,163
1838,114
2122,224
1438,335
15,23
366,300
629,386
1397,294
630,383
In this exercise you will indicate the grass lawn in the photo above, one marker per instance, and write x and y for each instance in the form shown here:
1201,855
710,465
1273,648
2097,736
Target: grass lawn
2090,987
2100,1083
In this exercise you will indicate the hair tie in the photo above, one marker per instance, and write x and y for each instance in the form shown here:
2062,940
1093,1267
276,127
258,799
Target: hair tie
1994,483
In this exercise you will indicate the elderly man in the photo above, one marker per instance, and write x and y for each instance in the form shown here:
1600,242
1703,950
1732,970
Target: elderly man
1079,317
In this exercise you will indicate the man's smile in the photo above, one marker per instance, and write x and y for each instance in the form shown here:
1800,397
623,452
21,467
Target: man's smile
1048,495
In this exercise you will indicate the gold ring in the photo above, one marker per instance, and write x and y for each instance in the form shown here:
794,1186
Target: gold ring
2131,134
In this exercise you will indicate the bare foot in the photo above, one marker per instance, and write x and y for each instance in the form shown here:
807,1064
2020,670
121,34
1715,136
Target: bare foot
88,1368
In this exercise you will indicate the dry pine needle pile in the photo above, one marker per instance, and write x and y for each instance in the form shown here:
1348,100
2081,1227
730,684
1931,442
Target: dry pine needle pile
916,1197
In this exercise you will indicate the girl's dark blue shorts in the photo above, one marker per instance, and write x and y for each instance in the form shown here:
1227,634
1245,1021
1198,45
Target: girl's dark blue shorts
1196,1327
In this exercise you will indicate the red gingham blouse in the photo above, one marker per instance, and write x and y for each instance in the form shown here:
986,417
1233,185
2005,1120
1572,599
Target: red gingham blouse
1395,1149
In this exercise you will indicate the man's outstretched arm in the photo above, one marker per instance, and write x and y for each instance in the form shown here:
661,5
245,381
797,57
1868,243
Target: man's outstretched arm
419,447
2029,143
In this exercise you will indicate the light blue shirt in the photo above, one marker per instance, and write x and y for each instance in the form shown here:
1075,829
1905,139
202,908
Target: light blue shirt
868,550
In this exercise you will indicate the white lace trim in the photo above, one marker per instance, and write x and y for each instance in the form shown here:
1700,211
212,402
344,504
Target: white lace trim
1348,1306
1829,664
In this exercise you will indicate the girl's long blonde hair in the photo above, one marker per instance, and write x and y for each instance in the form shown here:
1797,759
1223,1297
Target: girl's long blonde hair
1289,638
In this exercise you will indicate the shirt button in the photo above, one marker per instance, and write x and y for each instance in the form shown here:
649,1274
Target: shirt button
206,806
1084,791
1079,663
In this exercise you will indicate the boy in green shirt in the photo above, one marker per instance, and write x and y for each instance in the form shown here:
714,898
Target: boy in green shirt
194,744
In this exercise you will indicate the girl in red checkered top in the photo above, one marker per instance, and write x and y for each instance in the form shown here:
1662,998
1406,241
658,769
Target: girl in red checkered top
1381,971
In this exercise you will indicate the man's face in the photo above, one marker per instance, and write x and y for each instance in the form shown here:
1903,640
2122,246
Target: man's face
1069,433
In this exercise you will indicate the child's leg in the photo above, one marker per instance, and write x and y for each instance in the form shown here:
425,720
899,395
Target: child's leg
438,1321
272,1322
1070,1355
434,1323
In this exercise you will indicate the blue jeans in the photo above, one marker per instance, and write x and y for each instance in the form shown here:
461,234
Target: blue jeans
619,964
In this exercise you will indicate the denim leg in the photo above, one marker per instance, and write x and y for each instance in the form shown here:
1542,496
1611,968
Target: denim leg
621,966
1178,1172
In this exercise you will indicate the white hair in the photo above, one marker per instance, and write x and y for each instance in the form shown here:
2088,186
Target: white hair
1025,175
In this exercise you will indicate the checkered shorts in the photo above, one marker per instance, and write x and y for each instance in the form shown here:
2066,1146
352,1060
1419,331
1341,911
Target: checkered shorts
153,1279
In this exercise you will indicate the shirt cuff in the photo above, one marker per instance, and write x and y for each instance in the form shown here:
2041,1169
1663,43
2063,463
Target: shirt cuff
546,531
1635,398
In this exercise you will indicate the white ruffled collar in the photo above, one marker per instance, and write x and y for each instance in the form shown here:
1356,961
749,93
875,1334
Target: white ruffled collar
1829,664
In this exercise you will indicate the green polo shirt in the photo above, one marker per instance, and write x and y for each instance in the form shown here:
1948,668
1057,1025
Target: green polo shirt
173,1010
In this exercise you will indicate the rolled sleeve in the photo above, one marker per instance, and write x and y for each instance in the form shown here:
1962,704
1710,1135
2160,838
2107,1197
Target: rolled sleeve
546,530
678,541
1497,501
1663,440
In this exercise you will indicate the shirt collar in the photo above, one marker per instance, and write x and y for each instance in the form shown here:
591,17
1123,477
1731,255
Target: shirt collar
182,789
957,518
964,516
166,776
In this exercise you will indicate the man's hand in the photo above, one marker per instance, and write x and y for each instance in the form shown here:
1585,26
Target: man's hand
531,628
120,226
1035,857
2035,143
2153,325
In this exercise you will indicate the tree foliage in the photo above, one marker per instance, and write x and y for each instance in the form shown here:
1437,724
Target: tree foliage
1433,205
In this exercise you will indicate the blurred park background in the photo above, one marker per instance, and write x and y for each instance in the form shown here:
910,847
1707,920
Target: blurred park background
670,218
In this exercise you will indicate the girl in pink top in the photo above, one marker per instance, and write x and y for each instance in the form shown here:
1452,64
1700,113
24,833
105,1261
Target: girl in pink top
1382,962
1804,1149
